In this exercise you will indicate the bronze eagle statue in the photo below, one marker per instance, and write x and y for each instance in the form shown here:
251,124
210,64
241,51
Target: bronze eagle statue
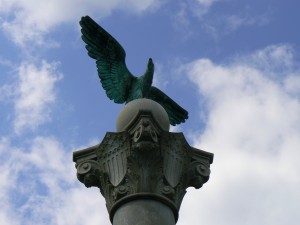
120,85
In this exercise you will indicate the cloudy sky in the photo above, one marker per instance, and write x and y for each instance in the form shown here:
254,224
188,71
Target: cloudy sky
234,65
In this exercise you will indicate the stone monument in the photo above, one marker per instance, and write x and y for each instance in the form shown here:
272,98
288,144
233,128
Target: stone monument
142,169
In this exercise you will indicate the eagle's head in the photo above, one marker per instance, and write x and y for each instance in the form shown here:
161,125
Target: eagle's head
150,66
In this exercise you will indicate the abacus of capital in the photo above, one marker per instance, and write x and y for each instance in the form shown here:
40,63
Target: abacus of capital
143,170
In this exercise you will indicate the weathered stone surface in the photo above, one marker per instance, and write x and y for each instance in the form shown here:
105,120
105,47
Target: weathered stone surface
132,109
143,162
144,212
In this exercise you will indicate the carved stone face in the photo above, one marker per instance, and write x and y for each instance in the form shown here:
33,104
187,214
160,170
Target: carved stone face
145,137
145,132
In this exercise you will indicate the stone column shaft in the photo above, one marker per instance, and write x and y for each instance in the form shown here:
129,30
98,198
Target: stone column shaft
144,212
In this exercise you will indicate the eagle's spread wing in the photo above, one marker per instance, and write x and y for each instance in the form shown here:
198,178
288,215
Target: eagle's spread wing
110,58
175,112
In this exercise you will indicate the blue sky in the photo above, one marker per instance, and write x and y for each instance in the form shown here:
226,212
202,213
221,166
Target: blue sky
234,65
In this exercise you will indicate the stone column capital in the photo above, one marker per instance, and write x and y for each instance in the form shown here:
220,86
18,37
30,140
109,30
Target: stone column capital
143,162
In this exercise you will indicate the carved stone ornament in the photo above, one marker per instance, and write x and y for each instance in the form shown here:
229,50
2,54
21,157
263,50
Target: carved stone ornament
143,162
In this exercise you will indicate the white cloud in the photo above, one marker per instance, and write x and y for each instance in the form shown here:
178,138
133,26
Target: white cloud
8,179
292,84
220,24
274,58
204,6
187,11
66,200
182,18
30,20
201,7
82,204
235,21
253,127
215,24
39,186
34,93
224,24
206,3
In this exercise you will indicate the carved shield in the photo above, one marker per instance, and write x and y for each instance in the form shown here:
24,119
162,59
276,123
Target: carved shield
175,150
112,155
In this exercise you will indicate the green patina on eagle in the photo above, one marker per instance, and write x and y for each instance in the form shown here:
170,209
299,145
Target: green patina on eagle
120,85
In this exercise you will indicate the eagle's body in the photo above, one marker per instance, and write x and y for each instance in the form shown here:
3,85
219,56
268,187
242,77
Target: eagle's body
120,85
